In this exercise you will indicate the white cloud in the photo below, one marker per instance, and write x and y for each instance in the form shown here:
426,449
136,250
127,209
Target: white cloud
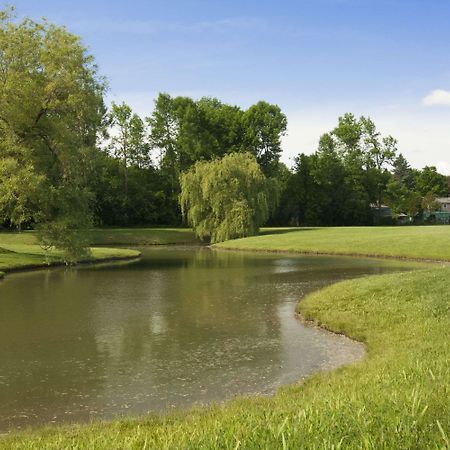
437,97
146,27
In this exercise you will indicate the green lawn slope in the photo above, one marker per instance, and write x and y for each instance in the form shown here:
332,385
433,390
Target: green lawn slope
421,242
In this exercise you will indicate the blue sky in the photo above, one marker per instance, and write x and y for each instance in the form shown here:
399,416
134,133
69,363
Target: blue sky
317,59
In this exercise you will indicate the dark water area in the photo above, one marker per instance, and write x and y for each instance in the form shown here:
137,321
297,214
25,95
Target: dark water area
181,326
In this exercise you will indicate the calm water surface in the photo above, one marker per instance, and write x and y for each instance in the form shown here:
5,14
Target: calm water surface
180,326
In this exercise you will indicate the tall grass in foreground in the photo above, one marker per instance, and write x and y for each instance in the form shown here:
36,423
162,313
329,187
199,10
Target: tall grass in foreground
397,398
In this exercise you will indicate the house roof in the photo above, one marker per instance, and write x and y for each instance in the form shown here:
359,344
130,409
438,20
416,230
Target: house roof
443,199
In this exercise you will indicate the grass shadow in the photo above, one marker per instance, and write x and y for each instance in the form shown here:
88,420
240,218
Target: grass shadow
268,231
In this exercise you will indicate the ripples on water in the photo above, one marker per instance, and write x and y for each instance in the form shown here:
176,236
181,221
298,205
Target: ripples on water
180,326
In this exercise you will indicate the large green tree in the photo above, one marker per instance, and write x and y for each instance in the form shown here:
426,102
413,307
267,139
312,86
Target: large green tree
264,126
430,181
345,176
51,107
226,198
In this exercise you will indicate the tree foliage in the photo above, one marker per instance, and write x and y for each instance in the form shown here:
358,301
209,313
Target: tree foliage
67,163
353,172
226,198
51,106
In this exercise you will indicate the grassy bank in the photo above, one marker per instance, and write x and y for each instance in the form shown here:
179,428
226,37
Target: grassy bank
426,242
21,251
396,398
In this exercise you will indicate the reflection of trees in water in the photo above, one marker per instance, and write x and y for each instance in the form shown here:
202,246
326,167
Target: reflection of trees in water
168,333
201,315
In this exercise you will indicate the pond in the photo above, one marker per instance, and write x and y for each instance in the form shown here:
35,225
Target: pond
181,326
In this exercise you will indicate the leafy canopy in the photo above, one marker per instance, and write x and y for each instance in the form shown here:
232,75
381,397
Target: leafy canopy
226,198
51,109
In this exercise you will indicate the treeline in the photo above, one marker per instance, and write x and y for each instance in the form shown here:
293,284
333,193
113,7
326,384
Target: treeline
67,162
140,161
345,182
354,172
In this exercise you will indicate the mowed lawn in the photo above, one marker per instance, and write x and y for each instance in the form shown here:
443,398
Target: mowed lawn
421,242
22,251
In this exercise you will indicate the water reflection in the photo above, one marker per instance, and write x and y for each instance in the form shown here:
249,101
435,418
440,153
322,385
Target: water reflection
179,326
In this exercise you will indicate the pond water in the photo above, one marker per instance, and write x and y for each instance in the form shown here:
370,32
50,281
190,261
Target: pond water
178,327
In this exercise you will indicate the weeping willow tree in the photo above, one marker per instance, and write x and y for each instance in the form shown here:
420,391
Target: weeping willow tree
226,198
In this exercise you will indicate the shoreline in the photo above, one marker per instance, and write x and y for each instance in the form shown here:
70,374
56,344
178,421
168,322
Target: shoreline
362,310
361,400
56,264
318,253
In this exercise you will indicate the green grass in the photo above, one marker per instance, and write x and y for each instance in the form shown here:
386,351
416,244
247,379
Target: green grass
21,251
396,398
425,242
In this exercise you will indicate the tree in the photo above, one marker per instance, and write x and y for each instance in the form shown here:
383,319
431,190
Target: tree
379,154
367,156
184,131
402,199
128,139
226,198
264,126
403,173
51,108
20,185
19,192
428,180
429,203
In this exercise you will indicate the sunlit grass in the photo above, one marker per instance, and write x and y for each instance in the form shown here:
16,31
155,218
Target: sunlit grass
424,242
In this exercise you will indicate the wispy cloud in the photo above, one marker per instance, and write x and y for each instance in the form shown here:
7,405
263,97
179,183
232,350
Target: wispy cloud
437,97
146,27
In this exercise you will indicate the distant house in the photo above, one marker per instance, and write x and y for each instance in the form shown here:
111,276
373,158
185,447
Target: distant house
445,204
384,211
442,214
403,219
